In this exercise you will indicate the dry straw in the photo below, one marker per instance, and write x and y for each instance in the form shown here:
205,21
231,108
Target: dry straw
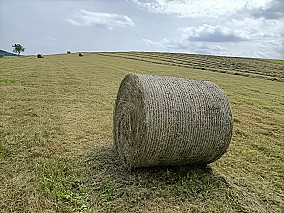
160,121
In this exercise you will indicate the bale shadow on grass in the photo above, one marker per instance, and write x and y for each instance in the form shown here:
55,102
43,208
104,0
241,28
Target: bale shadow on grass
185,188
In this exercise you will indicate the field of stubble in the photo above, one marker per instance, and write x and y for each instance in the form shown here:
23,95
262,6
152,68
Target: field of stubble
56,137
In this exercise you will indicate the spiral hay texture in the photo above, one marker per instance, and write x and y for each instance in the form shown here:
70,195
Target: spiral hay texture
162,121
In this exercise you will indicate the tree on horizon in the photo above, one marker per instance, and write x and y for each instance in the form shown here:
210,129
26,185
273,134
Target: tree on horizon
18,48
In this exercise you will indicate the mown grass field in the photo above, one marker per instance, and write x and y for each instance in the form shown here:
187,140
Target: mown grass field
56,142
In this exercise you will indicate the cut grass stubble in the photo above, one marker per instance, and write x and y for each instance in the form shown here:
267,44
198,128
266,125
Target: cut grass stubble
56,139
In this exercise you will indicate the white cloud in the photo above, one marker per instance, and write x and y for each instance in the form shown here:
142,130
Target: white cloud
258,28
71,21
272,10
251,28
250,38
197,8
168,44
245,49
212,34
152,43
107,20
183,45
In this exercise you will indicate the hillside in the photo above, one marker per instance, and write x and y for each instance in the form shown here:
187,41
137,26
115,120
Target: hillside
56,143
5,53
267,69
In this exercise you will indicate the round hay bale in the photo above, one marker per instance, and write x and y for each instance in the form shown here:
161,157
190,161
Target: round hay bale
68,52
81,54
162,121
40,56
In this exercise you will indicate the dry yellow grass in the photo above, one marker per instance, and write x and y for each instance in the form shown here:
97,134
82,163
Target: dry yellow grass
56,138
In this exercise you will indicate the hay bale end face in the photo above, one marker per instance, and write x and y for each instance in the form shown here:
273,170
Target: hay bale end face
81,54
162,121
40,56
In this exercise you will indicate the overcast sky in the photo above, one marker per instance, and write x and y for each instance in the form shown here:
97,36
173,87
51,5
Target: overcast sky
247,28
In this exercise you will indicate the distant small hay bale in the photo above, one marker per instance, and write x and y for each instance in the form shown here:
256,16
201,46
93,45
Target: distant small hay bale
163,121
40,56
68,52
81,54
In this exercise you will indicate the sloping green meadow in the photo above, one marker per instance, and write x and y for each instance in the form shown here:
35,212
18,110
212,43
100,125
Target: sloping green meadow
56,142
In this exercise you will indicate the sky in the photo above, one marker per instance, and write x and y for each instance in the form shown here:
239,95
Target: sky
241,28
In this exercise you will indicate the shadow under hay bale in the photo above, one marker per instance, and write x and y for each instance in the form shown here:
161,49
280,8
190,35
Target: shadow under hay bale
162,121
40,56
110,185
81,54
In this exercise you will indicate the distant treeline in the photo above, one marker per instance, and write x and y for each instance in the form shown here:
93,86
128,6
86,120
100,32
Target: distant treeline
5,53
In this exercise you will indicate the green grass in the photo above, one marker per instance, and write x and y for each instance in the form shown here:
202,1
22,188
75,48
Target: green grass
56,142
6,81
278,61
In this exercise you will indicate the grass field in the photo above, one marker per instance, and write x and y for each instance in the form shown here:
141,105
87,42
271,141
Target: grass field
56,141
279,61
249,67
